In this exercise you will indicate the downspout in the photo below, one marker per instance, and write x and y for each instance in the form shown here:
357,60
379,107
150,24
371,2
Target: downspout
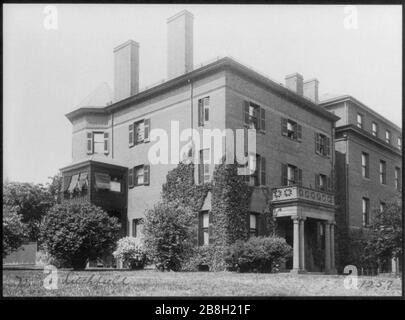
112,135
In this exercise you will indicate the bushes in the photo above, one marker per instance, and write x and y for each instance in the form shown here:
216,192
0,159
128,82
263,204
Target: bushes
169,231
131,251
14,231
258,254
73,233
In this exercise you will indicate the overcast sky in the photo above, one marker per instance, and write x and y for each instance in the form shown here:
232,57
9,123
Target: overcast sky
48,72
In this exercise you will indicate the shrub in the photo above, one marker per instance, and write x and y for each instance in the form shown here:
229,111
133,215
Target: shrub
206,258
132,252
14,231
169,231
73,233
258,254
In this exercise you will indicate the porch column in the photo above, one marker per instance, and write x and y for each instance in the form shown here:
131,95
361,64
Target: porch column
332,247
327,246
394,268
296,246
302,244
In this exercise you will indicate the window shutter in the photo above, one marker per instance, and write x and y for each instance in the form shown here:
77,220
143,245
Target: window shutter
284,131
200,112
299,132
328,184
263,171
300,177
146,175
210,228
327,146
131,177
246,112
262,119
316,181
106,143
317,143
89,142
131,135
283,174
146,125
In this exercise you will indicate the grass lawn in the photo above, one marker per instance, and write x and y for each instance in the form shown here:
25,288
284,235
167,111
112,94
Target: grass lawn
155,283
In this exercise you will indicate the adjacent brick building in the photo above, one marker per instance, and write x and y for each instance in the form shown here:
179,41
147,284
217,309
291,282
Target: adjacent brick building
295,158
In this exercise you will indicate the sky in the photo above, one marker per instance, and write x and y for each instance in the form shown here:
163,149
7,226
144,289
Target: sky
48,71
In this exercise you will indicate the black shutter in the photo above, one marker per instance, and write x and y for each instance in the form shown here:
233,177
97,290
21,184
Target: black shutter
263,171
200,112
146,175
201,169
328,184
131,177
131,135
300,177
299,132
146,126
327,146
246,112
284,181
284,131
200,229
89,142
262,119
317,176
106,143
317,143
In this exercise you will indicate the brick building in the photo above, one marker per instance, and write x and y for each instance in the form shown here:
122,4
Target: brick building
294,143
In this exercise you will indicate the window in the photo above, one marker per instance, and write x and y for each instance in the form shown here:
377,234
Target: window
374,129
204,166
397,178
204,228
203,110
382,206
322,182
256,170
136,228
290,175
365,165
399,142
253,225
291,129
383,172
387,136
140,175
322,144
97,142
360,120
254,116
115,185
366,211
139,132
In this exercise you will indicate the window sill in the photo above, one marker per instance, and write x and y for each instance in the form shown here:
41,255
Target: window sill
292,139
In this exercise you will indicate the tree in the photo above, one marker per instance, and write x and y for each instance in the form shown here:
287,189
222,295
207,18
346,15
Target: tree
73,233
31,201
385,238
14,231
55,187
169,231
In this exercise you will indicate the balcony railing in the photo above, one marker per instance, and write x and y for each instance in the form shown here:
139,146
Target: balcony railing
291,193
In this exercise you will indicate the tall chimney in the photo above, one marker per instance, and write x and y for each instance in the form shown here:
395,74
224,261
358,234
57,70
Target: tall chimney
179,44
295,82
311,90
126,70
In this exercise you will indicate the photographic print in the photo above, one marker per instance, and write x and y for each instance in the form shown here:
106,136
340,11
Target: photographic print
207,150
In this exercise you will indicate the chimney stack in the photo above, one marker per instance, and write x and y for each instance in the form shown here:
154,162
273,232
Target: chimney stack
126,70
295,82
311,90
179,44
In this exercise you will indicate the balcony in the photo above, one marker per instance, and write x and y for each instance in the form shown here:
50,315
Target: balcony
302,194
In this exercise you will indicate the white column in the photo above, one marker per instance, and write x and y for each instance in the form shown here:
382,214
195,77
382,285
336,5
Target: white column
394,265
302,244
332,247
296,246
327,246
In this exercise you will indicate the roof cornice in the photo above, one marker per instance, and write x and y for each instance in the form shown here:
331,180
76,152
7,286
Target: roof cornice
216,66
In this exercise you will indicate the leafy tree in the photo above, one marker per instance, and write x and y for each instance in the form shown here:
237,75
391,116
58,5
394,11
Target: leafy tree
73,233
169,231
14,231
385,237
55,187
31,201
